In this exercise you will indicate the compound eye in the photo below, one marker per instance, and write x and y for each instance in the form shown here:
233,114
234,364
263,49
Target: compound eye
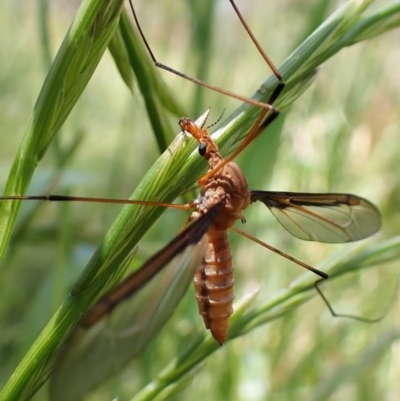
202,148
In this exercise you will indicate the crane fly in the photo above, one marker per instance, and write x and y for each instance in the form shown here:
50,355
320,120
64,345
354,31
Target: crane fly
224,196
331,217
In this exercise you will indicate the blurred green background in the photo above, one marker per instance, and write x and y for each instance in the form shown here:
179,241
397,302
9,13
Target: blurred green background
341,136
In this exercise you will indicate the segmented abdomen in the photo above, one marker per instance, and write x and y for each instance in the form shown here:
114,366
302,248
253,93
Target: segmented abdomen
213,283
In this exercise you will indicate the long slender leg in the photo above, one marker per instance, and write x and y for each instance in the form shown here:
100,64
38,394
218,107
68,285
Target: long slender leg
267,106
261,123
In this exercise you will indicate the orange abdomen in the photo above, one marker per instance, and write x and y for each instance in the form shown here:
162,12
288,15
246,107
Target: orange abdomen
213,283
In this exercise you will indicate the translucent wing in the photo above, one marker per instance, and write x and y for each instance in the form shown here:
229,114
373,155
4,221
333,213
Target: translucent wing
191,236
322,217
116,332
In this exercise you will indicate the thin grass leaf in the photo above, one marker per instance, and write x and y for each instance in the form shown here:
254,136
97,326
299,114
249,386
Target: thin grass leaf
154,92
149,81
120,55
75,63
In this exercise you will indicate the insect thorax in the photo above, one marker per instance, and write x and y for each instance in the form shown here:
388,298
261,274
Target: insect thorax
229,187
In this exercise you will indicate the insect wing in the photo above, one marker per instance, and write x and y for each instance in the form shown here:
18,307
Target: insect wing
96,353
331,218
190,236
93,354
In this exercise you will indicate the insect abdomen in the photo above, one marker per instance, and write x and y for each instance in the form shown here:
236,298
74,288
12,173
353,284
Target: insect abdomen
213,284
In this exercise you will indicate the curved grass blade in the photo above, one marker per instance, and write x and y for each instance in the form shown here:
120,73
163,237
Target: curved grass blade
80,52
154,91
